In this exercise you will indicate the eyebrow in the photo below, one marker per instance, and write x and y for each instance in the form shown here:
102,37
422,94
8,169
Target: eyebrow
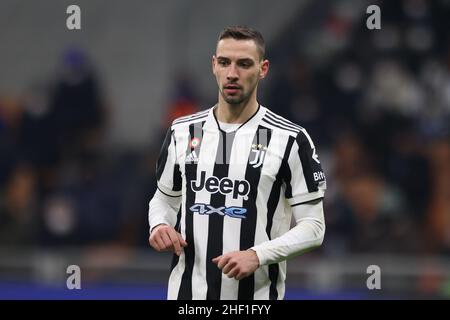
239,60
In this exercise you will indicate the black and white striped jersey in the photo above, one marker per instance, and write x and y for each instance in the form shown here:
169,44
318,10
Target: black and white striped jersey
236,191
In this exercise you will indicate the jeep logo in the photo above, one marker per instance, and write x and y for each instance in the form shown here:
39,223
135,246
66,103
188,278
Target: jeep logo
224,186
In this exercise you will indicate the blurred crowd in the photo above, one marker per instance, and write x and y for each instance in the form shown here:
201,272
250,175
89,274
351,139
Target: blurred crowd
49,144
376,103
60,185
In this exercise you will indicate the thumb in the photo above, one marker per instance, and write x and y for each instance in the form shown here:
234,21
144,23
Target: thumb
216,259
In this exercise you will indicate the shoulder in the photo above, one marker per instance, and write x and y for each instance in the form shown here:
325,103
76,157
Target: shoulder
283,125
185,121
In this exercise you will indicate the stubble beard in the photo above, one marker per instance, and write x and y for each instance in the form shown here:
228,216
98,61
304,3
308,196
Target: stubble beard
239,99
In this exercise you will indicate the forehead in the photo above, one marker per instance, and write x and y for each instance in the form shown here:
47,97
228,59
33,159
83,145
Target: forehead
237,49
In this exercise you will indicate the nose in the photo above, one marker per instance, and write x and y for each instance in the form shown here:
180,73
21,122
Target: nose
232,72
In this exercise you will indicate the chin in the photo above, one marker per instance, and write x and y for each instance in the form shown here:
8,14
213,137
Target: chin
234,100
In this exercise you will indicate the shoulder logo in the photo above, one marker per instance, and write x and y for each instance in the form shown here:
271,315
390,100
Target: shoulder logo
192,157
195,142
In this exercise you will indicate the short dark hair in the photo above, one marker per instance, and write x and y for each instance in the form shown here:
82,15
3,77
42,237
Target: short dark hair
245,33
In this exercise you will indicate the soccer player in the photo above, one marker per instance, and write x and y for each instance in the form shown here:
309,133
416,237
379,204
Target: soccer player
230,179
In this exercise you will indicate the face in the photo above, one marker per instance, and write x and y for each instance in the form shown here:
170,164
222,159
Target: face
238,69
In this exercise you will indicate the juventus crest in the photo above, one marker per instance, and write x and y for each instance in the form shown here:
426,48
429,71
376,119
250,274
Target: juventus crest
260,152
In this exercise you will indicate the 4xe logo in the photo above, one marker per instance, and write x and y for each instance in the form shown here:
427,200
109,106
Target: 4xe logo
233,212
239,188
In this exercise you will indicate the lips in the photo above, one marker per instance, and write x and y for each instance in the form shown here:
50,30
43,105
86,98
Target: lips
232,89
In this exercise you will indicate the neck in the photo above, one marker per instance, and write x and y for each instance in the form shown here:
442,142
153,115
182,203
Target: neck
239,113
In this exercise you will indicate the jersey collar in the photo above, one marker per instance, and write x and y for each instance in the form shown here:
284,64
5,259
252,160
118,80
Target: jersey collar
255,118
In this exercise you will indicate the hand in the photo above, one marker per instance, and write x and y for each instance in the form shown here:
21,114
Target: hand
238,264
164,238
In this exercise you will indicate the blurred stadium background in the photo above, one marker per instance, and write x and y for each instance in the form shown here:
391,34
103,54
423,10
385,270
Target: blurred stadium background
82,115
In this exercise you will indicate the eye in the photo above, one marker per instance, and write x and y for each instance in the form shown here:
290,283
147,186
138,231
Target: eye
245,64
222,63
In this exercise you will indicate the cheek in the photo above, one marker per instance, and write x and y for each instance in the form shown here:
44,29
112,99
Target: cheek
219,74
252,79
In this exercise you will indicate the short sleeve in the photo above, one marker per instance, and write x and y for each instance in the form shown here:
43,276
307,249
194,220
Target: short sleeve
168,173
304,177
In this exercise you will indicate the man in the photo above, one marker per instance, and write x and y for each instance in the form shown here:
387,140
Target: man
239,173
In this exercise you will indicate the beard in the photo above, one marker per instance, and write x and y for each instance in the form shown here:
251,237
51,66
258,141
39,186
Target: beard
235,100
238,99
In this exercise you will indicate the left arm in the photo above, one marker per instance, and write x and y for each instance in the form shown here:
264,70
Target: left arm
305,236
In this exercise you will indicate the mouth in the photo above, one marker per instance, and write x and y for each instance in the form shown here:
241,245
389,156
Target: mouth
231,88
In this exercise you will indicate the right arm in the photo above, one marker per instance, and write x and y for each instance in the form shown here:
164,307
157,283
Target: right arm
162,216
165,203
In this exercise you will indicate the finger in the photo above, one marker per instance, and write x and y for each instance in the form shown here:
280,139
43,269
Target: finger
158,242
167,242
228,267
223,261
150,240
182,241
233,272
175,241
240,276
216,259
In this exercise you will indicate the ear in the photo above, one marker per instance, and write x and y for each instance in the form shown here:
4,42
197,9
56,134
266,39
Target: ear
264,69
213,63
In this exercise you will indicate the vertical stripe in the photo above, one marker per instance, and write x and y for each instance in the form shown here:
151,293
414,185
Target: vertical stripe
271,208
177,181
283,174
274,270
272,204
195,132
240,152
181,137
215,225
271,167
248,226
201,221
176,258
281,288
287,175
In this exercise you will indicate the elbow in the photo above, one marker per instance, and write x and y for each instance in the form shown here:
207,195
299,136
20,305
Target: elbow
320,232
